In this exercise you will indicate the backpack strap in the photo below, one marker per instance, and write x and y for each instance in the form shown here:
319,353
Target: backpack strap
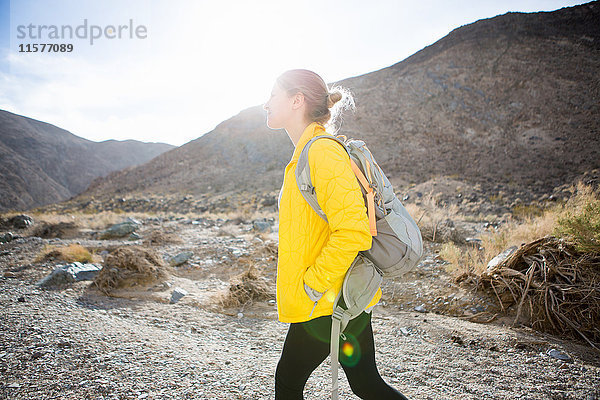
361,283
339,321
370,196
307,190
303,176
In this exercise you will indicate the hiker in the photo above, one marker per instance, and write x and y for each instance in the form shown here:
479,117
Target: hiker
314,255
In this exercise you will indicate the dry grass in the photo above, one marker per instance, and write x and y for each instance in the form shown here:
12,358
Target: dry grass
61,230
247,287
468,260
552,282
71,253
131,266
436,221
159,237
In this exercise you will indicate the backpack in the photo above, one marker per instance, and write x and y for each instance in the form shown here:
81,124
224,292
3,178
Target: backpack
397,243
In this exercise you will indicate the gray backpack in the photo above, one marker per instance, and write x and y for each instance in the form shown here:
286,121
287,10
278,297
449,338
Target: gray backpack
397,244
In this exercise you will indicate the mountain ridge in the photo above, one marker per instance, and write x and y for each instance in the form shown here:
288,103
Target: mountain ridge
42,163
508,103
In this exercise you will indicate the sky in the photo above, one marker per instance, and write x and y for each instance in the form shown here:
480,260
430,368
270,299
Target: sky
170,71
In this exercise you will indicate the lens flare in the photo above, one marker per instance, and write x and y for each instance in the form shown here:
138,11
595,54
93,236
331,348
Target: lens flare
347,349
350,353
330,296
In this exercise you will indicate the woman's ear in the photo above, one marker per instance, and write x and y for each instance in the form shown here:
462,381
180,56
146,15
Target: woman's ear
298,101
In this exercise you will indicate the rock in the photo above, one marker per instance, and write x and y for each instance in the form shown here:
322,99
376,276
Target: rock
180,258
134,236
559,355
458,340
7,237
177,294
133,221
499,259
119,230
261,226
70,273
404,331
21,299
420,308
10,274
21,221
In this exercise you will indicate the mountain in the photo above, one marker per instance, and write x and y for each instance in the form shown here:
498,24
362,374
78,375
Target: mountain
42,164
509,103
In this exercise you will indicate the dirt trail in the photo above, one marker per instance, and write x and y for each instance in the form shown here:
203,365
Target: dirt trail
76,343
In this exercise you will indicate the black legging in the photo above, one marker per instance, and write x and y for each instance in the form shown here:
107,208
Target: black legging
307,345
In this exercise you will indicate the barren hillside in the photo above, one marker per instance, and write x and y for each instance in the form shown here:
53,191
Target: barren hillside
510,103
42,164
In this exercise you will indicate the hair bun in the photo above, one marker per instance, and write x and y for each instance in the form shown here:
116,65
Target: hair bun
333,98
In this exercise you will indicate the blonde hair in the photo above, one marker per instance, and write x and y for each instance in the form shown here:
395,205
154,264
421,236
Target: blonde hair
322,105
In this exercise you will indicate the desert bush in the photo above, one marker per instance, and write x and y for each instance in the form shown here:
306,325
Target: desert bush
129,266
436,220
71,253
470,260
525,211
551,286
552,279
465,259
61,230
159,237
580,221
247,287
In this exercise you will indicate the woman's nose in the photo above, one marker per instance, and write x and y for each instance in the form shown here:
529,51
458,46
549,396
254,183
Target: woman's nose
266,107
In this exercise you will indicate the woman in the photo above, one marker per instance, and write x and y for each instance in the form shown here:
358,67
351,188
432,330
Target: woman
314,255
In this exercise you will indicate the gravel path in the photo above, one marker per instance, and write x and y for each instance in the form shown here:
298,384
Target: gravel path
59,346
76,343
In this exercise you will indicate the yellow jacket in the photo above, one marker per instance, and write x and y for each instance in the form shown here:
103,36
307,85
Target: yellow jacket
311,250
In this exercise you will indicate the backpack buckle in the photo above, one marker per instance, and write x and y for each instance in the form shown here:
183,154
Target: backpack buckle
338,313
307,188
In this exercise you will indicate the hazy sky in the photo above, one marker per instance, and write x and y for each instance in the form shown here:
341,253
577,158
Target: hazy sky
181,67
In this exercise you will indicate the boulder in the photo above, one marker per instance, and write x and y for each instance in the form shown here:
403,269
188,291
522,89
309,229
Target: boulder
177,294
6,237
21,221
180,258
500,258
69,273
119,230
261,225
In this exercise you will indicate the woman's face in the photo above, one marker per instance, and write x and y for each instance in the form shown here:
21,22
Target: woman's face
278,108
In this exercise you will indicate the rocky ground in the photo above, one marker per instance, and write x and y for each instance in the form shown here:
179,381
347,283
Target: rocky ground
75,342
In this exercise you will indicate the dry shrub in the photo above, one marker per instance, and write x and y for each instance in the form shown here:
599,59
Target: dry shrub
552,284
467,262
554,287
61,230
71,253
580,221
247,287
130,266
158,237
436,220
463,261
